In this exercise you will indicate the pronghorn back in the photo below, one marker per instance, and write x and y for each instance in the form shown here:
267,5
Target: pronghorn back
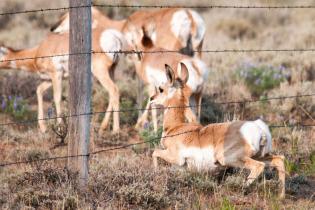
170,28
99,20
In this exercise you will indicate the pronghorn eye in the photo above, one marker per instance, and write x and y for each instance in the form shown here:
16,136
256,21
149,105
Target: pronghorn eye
161,90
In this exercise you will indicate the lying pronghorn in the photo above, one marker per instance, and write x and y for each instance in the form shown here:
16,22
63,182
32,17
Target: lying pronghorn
150,68
245,144
53,69
171,29
99,20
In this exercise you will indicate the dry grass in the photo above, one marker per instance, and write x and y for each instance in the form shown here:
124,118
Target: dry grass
125,180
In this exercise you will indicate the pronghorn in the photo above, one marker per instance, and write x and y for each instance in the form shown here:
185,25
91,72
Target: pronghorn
150,68
171,29
244,144
99,20
53,69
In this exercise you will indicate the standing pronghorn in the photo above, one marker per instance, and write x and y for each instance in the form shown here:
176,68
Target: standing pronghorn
53,69
150,68
171,29
245,144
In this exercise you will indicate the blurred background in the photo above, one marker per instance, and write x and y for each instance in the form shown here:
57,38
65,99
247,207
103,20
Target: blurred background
234,76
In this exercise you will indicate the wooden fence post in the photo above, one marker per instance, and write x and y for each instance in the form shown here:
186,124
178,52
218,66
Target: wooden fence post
80,87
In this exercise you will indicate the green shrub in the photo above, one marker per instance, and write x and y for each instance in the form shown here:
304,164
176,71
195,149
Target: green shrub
226,205
290,166
150,137
259,79
16,107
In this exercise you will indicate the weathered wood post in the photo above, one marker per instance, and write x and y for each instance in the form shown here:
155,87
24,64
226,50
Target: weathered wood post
80,87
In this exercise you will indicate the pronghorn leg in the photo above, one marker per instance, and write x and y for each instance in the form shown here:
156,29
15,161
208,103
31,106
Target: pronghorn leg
277,161
115,105
144,116
167,156
106,119
154,118
113,91
40,91
153,110
255,167
193,103
57,91
199,49
198,98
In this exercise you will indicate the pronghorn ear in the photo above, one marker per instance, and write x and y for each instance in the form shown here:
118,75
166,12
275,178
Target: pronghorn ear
183,73
169,74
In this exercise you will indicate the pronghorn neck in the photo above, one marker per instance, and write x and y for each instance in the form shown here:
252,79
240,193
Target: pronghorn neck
175,114
17,60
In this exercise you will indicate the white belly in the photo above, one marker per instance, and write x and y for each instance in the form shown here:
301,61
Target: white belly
199,158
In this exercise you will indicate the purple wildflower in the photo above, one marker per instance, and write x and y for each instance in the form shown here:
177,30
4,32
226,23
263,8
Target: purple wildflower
257,81
282,68
15,104
19,98
146,125
50,112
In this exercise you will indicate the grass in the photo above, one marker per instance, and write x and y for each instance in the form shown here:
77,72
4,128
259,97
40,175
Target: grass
125,179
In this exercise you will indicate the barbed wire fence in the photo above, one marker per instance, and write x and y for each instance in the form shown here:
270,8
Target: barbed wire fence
43,10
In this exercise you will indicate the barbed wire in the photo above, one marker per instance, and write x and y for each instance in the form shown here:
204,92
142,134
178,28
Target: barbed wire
157,108
159,51
129,145
42,10
207,6
127,52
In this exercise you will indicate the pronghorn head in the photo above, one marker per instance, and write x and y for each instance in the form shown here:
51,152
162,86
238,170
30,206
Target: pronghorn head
175,86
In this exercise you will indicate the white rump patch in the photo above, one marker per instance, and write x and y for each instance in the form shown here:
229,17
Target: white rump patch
112,40
199,158
201,28
181,26
253,131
